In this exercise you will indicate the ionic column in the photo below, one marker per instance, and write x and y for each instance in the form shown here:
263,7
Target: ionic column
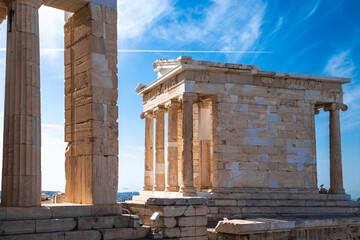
336,179
21,175
159,149
187,146
172,147
149,151
205,143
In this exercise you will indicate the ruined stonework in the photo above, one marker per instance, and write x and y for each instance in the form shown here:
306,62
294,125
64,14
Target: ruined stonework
245,138
91,111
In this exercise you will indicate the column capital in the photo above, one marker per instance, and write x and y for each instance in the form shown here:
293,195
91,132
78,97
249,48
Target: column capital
159,109
147,115
173,103
335,106
36,3
3,11
188,97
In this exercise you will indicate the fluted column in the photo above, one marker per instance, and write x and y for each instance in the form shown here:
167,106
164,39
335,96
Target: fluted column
172,146
149,151
159,149
187,186
21,176
336,178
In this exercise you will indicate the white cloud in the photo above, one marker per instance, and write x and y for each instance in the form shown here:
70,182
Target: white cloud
313,10
242,21
135,16
340,64
51,27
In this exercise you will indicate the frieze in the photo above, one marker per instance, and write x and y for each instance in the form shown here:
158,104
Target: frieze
302,84
160,89
267,80
202,78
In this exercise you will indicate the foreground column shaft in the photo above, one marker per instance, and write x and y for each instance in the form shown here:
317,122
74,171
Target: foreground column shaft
172,149
187,149
21,178
149,151
159,150
336,179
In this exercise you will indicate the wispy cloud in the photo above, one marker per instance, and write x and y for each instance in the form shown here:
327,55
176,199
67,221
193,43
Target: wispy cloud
342,65
243,28
51,27
135,16
279,24
313,10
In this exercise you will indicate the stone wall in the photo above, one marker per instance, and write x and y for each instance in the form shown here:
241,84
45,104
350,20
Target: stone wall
91,111
264,136
181,218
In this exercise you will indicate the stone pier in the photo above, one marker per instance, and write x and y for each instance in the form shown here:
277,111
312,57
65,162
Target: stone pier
91,111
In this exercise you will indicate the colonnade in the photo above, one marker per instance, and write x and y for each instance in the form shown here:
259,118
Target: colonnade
336,176
154,179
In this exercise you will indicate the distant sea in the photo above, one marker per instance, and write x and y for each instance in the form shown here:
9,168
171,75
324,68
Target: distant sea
121,196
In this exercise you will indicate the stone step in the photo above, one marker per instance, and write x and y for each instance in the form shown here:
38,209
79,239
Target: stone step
70,235
285,210
280,203
56,211
125,233
37,226
101,234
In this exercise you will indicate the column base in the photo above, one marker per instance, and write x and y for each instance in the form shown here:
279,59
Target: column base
188,190
148,188
337,191
159,188
172,189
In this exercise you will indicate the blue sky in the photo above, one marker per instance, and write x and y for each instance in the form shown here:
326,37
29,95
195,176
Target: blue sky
310,37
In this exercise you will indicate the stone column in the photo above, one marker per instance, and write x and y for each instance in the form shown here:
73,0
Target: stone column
159,149
172,147
336,179
205,143
149,151
187,186
21,176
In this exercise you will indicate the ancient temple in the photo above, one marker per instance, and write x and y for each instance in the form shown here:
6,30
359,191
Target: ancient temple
242,138
234,128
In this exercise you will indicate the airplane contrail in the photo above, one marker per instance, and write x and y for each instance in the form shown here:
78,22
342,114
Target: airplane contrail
158,51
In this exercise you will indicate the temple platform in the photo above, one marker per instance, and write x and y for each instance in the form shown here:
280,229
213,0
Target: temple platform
70,222
244,205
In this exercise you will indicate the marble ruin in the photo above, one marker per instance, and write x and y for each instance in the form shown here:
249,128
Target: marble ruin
241,151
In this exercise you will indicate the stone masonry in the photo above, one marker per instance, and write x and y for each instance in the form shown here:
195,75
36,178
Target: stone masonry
246,130
91,111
